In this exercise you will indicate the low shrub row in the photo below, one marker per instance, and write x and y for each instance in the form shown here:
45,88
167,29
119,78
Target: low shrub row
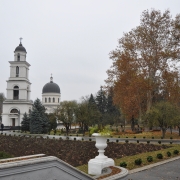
149,158
144,137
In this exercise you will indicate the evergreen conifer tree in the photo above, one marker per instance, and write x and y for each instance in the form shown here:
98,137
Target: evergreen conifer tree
42,124
101,102
25,123
94,113
35,122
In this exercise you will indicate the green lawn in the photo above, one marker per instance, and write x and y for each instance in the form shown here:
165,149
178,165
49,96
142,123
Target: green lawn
130,159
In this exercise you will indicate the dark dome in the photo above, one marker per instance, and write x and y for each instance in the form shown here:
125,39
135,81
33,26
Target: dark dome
20,48
51,88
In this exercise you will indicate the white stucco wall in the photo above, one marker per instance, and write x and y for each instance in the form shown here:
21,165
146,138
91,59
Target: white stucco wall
24,87
50,106
8,106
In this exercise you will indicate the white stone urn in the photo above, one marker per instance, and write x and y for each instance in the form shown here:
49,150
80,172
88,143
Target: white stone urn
101,161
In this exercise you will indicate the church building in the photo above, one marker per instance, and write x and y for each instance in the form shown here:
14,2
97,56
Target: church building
18,90
50,96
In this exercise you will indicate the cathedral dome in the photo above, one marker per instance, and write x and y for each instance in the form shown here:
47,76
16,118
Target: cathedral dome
20,48
51,87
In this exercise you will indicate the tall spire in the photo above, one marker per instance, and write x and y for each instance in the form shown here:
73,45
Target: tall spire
51,78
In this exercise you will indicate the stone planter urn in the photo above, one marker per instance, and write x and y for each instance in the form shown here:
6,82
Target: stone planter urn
101,161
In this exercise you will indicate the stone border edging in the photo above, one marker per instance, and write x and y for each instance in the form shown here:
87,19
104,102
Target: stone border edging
153,165
123,173
21,158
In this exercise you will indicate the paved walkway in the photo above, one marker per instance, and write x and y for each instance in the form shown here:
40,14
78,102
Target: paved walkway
167,171
141,140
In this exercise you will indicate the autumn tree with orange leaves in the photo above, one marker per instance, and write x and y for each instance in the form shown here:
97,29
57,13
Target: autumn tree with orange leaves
145,64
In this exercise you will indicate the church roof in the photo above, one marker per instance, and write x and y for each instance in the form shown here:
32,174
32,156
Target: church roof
20,48
51,87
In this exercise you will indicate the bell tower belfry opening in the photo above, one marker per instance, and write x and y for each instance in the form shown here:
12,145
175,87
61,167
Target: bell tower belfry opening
18,90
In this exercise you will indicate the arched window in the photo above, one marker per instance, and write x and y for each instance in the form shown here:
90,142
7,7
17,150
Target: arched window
18,57
45,100
14,111
58,100
53,100
49,99
17,71
16,93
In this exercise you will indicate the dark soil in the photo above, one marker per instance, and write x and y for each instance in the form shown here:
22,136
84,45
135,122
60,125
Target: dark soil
75,153
115,170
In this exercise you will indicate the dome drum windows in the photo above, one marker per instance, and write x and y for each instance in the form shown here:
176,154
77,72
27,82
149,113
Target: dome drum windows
16,93
50,99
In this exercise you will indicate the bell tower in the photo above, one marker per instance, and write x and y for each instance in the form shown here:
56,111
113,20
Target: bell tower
18,90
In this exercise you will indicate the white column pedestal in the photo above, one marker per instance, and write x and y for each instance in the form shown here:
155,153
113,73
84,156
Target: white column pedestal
95,166
101,161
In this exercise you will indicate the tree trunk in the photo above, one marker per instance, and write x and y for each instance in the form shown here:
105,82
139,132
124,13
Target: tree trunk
163,132
149,100
140,115
170,129
67,128
179,130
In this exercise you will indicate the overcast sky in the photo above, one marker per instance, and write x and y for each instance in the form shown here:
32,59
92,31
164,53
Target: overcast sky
69,38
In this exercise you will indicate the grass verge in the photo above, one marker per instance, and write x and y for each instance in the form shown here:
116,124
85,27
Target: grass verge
130,159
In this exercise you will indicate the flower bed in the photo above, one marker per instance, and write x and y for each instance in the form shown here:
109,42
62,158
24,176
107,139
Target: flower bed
75,153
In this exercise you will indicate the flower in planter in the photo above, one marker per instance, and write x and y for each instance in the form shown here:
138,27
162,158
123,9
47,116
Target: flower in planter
105,132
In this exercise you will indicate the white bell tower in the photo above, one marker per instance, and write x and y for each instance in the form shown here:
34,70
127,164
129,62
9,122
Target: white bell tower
18,90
